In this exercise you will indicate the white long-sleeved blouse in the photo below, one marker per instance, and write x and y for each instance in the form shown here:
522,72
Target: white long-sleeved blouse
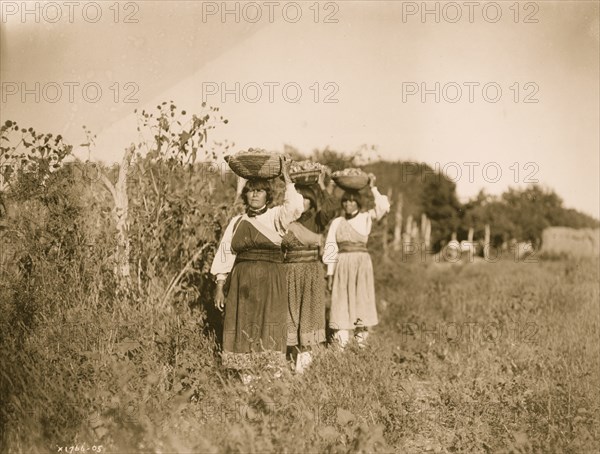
362,223
277,219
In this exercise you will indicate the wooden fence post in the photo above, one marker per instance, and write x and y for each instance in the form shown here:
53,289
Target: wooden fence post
408,229
120,213
415,232
398,226
384,237
486,242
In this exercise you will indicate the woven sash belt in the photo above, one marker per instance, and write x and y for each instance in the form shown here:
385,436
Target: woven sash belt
261,255
347,246
302,255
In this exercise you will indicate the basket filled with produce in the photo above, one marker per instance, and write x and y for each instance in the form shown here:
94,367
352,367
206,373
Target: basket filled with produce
350,179
255,163
306,172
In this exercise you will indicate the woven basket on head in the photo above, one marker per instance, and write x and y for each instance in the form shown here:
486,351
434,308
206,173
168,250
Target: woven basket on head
350,182
305,177
255,164
306,173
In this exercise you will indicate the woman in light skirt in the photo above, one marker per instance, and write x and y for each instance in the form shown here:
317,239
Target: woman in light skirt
349,267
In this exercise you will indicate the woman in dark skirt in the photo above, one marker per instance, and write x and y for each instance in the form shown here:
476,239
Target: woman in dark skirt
305,273
251,280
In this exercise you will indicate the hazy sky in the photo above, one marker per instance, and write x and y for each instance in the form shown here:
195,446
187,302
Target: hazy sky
371,61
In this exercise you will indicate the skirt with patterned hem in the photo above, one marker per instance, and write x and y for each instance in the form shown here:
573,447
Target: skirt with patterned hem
306,303
255,326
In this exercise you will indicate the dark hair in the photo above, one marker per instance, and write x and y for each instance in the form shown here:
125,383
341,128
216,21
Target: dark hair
258,184
352,196
308,193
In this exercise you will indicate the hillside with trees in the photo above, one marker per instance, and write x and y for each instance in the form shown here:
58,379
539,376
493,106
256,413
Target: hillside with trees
517,214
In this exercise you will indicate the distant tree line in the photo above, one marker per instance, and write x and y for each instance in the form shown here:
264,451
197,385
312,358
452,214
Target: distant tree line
519,214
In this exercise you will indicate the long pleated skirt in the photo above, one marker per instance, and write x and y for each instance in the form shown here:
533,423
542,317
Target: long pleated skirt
255,326
353,293
306,303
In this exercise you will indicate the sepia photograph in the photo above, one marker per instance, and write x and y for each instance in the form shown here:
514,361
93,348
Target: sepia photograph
353,226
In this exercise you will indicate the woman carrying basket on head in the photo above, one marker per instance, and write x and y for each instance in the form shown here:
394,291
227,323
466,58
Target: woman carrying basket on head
349,267
303,246
250,259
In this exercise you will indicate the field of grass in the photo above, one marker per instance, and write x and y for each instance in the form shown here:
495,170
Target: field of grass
484,357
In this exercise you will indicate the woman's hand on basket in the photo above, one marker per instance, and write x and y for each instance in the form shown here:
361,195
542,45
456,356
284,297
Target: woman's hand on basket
220,296
321,181
372,179
285,170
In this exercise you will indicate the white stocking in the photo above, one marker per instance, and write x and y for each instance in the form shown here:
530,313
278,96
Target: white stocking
342,336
